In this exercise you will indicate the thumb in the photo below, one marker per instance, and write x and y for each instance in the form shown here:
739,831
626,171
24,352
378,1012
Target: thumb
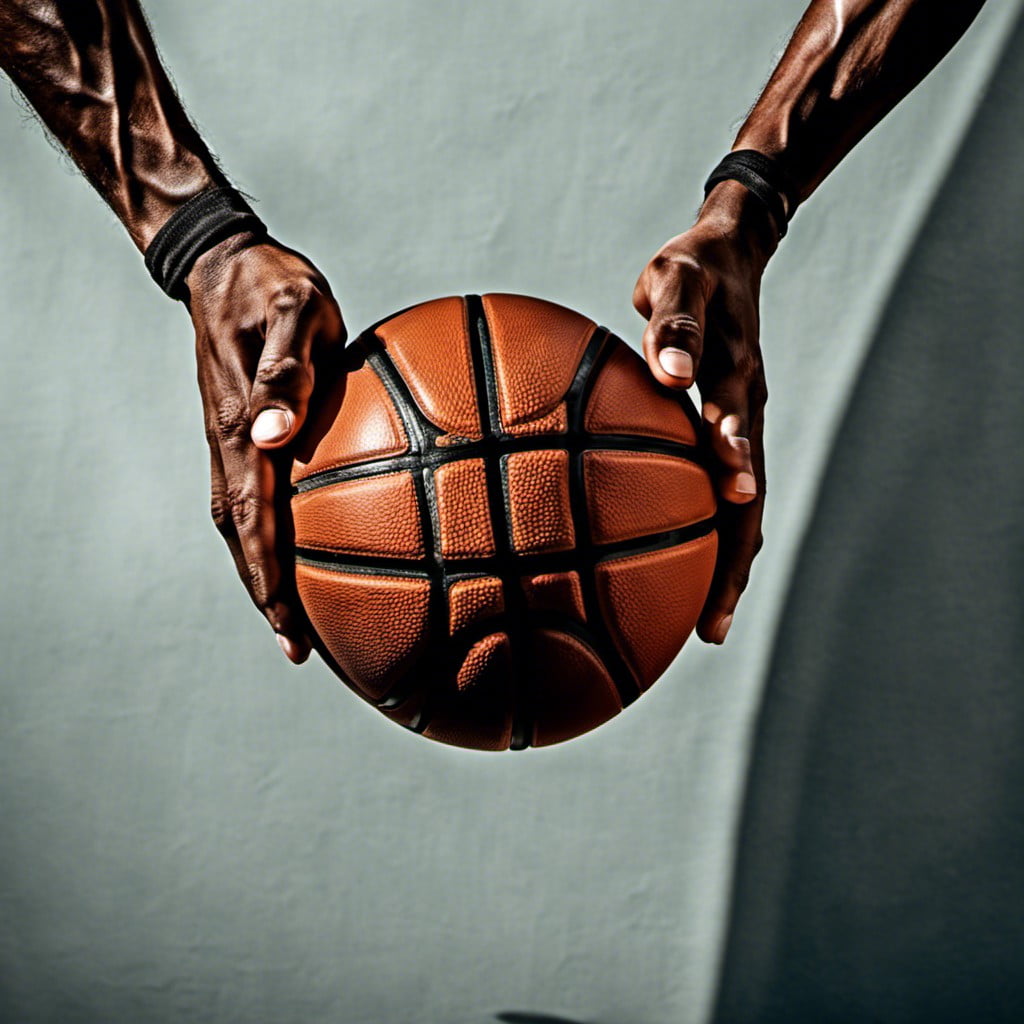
274,427
674,339
283,381
279,398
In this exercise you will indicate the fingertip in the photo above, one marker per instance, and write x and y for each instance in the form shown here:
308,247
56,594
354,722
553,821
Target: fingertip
746,485
721,629
273,427
711,412
713,629
295,652
739,488
730,427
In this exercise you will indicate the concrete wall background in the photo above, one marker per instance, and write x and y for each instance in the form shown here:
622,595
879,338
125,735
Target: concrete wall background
193,829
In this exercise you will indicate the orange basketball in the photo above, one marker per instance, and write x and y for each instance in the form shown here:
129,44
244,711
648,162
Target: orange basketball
504,533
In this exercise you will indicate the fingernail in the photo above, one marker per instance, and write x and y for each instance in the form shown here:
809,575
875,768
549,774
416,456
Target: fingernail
676,362
723,629
271,425
745,483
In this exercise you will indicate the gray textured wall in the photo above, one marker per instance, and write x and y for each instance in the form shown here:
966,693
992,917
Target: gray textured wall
190,828
881,861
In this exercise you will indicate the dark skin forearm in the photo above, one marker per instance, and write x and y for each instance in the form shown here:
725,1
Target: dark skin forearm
91,71
266,324
848,64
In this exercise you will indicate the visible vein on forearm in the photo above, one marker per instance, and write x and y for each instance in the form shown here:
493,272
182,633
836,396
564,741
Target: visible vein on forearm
91,71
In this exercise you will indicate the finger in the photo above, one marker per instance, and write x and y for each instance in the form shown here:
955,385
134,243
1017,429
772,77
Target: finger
220,510
739,540
245,484
284,376
674,338
727,416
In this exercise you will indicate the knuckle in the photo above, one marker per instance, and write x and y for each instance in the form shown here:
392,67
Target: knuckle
285,374
220,512
292,295
258,579
230,419
678,265
678,327
244,508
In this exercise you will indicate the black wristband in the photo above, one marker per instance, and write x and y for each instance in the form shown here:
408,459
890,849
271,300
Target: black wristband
197,225
763,177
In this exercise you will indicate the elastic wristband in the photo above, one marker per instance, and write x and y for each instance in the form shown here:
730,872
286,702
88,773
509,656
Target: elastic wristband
763,177
193,228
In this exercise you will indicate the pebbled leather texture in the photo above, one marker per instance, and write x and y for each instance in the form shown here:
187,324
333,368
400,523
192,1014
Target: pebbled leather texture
458,578
537,346
374,626
377,515
471,602
630,494
477,710
626,400
429,346
652,601
360,424
538,501
463,517
555,592
554,422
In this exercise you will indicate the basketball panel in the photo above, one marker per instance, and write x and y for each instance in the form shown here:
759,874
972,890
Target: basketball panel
360,423
651,602
374,626
476,711
537,346
626,400
570,691
538,501
559,592
429,345
377,515
463,512
632,494
471,602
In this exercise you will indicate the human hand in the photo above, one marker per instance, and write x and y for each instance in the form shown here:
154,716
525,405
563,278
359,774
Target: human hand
266,324
699,294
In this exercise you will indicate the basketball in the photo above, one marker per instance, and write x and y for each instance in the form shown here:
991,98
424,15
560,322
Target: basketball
504,530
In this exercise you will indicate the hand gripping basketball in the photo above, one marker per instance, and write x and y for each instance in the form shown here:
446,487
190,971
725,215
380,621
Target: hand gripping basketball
504,531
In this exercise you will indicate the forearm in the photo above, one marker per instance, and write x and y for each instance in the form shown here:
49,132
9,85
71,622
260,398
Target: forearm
91,71
848,64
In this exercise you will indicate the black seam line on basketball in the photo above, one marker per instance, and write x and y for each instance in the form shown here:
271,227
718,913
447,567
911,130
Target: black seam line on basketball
593,359
456,647
422,433
486,383
518,564
505,445
418,428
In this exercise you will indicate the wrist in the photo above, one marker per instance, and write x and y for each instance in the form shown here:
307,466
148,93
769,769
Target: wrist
731,210
209,218
159,196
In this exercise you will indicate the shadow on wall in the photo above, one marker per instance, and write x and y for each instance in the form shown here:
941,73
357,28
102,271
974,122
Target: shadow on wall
880,872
